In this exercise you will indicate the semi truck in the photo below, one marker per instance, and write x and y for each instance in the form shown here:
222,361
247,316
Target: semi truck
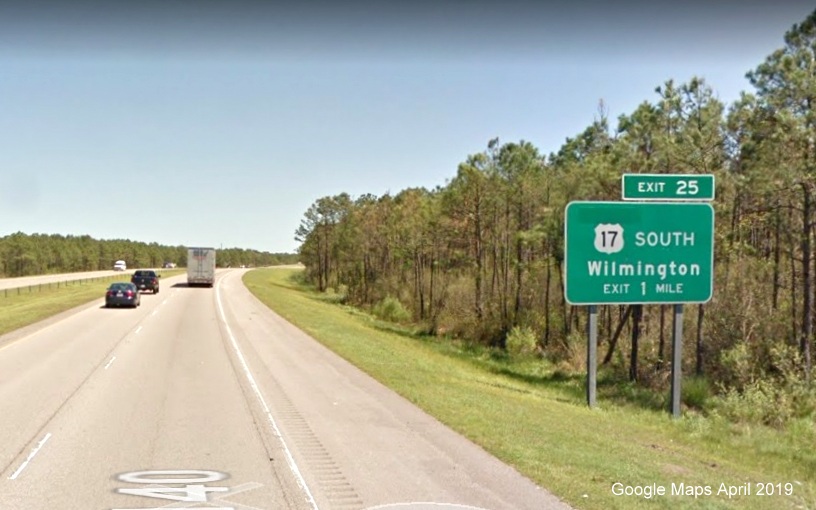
200,266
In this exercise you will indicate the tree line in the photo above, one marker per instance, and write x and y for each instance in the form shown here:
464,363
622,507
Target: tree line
31,254
481,257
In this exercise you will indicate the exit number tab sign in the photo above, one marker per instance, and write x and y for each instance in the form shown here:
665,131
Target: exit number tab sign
685,187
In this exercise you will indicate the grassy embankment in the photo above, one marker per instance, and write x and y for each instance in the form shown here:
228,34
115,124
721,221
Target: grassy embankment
19,308
535,418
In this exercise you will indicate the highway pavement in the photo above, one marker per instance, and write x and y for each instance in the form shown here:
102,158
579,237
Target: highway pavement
204,398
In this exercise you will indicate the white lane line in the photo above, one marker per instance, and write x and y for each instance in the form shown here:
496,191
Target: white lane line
164,302
154,313
109,362
30,456
289,459
137,330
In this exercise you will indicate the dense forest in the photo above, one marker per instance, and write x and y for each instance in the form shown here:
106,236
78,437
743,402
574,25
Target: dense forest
23,254
480,259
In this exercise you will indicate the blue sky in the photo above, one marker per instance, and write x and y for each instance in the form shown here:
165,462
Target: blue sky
219,123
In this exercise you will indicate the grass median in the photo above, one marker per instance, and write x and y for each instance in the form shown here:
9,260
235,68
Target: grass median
534,418
26,305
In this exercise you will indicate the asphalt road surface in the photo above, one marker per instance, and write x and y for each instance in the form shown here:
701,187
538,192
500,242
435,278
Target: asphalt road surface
203,398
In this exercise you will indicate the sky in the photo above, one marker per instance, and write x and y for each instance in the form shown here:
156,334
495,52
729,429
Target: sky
219,123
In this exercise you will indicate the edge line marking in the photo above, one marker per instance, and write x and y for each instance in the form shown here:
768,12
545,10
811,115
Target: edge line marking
289,459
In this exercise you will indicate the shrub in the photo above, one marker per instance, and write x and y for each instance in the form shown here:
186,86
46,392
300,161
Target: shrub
756,403
521,341
456,316
571,351
392,310
339,295
776,396
738,366
695,392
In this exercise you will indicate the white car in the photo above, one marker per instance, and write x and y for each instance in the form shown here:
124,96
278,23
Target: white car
120,266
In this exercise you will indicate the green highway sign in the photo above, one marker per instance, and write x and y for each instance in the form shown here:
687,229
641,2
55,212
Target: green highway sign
638,253
687,187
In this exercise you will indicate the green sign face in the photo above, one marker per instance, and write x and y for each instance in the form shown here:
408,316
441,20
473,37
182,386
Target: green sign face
667,187
638,253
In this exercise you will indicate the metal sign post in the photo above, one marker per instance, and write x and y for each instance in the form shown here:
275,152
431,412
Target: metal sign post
592,354
677,359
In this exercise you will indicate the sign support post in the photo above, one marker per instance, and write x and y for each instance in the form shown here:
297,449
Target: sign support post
592,354
677,358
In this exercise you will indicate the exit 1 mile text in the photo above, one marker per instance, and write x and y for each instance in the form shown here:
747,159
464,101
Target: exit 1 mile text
659,288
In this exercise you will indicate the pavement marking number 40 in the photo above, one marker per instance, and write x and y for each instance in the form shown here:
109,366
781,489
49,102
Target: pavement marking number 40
194,490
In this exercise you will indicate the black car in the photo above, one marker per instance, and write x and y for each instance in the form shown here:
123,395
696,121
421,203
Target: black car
146,279
122,294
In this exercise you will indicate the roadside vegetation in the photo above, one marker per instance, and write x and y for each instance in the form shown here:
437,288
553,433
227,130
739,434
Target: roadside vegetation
479,261
531,413
34,254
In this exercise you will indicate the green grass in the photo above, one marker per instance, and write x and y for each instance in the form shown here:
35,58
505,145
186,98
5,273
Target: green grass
534,417
19,308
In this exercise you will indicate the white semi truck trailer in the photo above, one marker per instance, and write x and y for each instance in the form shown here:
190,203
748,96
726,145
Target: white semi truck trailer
201,266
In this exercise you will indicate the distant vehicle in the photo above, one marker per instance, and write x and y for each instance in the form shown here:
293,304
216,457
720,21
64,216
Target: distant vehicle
146,279
120,266
201,266
169,265
122,294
